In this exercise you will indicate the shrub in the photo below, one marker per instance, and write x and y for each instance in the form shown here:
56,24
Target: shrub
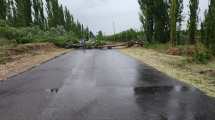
3,23
23,39
8,32
23,35
201,55
202,58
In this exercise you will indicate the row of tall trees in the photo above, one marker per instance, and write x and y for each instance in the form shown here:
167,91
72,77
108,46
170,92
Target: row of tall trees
162,20
208,27
155,19
128,35
25,13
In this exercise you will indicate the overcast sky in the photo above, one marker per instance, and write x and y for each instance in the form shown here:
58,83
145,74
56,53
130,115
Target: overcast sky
102,14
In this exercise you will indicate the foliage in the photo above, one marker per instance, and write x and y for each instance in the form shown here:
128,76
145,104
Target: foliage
179,20
173,23
155,19
208,28
192,23
3,9
201,57
146,18
26,22
202,54
8,32
23,35
125,36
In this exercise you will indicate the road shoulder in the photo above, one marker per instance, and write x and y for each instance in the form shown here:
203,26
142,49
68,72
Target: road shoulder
29,60
174,67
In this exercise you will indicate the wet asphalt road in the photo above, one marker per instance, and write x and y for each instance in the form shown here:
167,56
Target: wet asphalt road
100,85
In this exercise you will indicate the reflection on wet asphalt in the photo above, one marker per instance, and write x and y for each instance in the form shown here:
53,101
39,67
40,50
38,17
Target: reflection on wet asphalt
100,85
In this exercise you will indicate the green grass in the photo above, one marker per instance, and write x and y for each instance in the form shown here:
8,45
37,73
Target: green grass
177,67
4,45
158,47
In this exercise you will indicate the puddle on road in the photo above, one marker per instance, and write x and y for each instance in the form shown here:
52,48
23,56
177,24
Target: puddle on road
160,89
53,90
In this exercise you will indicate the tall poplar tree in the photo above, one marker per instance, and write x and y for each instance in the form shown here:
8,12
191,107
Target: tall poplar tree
68,20
146,18
179,19
193,20
3,9
39,17
161,21
173,22
24,12
155,19
208,27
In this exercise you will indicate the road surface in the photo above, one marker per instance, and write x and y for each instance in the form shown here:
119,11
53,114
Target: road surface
100,85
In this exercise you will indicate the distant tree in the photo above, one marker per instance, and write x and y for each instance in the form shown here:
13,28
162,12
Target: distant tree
56,15
20,14
28,12
36,5
155,20
24,12
179,19
208,27
146,18
161,21
39,17
61,16
50,14
91,34
173,22
9,15
87,33
3,9
42,19
68,20
99,35
193,20
202,31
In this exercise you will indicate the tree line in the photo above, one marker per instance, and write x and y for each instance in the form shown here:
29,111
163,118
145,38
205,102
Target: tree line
125,36
28,13
162,22
160,18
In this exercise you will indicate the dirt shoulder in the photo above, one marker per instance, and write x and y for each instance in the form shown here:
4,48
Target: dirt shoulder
199,76
23,57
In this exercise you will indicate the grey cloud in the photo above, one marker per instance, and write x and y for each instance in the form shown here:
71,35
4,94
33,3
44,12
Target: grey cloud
100,14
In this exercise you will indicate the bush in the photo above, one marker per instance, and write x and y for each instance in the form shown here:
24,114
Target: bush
201,55
24,35
201,58
3,23
24,39
8,32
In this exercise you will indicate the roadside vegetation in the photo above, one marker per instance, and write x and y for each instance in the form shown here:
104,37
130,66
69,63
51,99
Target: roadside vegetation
201,76
20,58
25,21
184,54
37,21
33,31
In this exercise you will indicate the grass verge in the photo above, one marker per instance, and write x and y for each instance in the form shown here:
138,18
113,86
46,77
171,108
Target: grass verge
23,57
177,67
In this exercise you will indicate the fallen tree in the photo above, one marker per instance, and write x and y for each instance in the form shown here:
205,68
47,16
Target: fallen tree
107,46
